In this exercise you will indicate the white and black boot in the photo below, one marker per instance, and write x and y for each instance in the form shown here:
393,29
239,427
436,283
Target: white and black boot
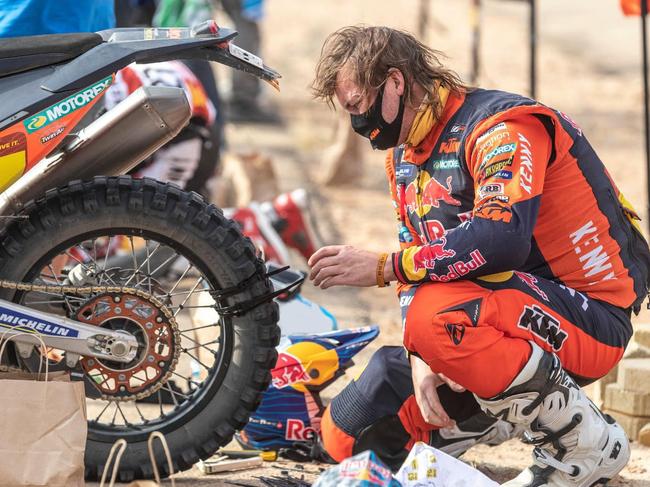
480,429
575,443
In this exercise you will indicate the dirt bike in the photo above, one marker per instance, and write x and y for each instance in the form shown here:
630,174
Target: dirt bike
80,248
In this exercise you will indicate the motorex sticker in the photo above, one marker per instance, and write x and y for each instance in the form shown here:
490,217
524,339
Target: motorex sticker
66,106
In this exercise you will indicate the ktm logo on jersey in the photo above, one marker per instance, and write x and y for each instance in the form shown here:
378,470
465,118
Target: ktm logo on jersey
449,146
496,209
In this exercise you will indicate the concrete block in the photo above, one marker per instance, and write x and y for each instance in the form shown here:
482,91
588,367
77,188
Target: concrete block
629,402
634,374
644,435
634,350
596,391
642,334
631,424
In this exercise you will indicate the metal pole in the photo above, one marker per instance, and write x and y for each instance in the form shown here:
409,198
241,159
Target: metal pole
423,20
475,24
533,49
646,103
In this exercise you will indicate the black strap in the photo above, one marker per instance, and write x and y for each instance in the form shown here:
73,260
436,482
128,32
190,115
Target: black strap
245,306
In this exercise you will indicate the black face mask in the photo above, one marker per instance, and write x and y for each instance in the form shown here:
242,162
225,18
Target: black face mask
371,125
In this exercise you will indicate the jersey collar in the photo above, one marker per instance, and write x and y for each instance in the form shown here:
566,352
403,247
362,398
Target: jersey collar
420,153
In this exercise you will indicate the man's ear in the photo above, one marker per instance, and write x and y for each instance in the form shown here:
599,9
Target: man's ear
396,76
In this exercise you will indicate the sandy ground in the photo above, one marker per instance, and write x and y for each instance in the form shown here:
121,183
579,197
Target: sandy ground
588,67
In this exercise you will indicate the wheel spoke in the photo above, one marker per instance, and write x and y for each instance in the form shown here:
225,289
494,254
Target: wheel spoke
174,393
144,420
156,270
180,279
192,306
108,403
108,251
126,421
95,251
146,262
188,379
211,325
160,403
170,294
49,266
114,414
180,307
202,345
184,350
82,264
164,271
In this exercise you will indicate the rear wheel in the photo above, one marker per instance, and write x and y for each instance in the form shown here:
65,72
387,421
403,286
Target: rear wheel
197,384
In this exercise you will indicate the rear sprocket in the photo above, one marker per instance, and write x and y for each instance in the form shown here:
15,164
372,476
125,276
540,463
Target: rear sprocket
158,337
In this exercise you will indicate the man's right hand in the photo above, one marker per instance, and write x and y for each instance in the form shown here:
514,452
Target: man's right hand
425,384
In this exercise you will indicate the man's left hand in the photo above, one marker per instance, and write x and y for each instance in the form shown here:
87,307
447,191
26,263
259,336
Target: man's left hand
344,265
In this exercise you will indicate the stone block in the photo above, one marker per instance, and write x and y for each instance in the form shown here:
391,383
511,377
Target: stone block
644,435
634,350
634,374
629,402
642,334
631,424
596,391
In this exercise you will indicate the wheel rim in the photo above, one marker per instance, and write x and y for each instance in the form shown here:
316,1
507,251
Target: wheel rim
204,364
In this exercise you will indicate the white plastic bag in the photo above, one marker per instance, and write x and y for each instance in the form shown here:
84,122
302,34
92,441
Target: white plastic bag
428,467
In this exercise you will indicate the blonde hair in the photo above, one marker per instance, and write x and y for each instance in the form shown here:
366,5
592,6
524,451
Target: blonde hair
369,52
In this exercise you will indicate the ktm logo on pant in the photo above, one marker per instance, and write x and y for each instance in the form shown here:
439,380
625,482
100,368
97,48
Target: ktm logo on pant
543,325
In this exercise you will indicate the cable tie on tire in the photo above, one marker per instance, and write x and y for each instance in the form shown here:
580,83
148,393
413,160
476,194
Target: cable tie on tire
239,309
243,285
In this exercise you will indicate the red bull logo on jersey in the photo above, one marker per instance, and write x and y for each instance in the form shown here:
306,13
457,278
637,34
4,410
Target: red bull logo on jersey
531,282
427,256
460,268
427,192
432,229
288,370
434,193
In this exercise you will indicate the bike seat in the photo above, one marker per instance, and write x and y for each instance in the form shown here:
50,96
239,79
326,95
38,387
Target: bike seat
19,54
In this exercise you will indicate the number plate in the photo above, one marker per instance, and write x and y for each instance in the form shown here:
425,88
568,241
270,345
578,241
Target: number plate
245,56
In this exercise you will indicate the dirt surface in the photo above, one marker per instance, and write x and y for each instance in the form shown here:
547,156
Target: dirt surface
588,67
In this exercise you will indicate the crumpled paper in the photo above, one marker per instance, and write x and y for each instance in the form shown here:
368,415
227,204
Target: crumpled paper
426,466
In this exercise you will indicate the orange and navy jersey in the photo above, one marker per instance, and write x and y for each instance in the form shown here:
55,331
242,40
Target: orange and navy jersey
167,73
504,183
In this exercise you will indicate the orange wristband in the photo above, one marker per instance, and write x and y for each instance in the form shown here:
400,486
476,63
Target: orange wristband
381,263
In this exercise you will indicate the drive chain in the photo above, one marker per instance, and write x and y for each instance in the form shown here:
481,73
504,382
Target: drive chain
94,290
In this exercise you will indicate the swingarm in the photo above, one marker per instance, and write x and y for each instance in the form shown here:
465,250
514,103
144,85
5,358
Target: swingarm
76,338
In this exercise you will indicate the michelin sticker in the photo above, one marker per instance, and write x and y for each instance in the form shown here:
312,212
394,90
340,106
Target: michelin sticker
67,106
14,319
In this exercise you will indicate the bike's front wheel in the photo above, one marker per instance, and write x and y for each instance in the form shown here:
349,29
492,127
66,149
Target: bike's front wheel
197,384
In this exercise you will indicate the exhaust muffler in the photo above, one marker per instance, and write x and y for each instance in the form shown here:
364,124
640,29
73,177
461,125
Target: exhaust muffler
111,145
